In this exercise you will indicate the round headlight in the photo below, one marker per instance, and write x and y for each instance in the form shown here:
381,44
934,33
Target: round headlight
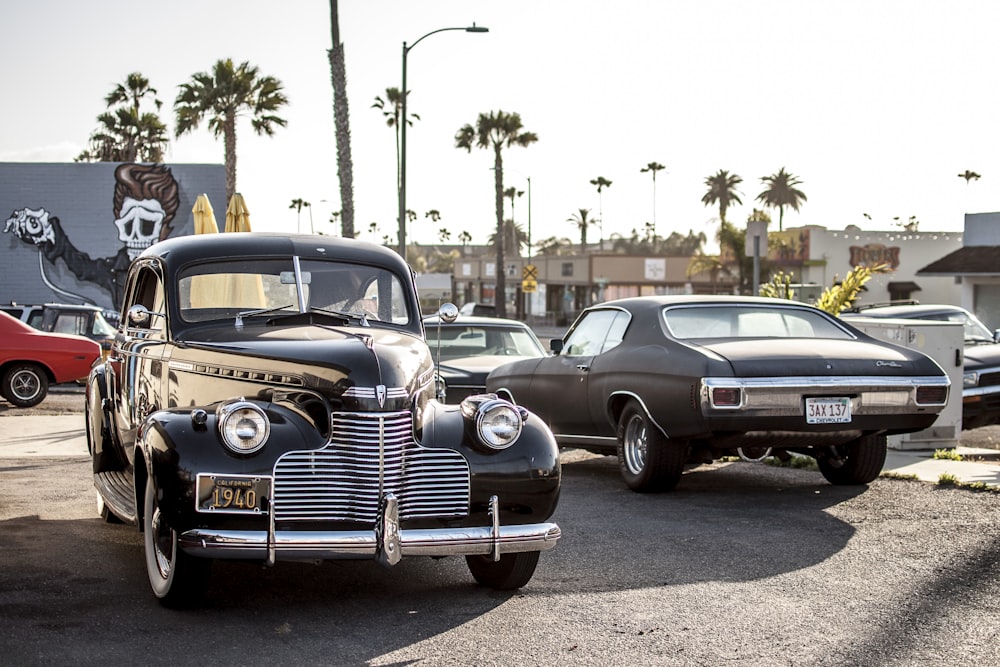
498,423
244,427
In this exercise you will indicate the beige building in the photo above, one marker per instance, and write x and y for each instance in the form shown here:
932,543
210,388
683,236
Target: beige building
814,255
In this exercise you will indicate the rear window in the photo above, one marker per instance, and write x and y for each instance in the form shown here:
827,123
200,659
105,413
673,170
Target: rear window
738,321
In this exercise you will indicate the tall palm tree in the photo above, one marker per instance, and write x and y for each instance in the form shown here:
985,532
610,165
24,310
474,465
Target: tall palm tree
341,120
722,191
582,220
222,96
781,191
653,167
601,183
298,205
512,193
126,133
391,108
497,130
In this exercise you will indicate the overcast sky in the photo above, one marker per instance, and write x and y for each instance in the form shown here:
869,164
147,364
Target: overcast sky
876,105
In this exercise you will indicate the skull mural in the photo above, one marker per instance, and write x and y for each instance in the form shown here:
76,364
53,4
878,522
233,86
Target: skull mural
146,198
139,224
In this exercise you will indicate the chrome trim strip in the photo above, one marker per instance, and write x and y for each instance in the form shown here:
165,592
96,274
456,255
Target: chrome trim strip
981,391
836,381
369,392
363,544
875,393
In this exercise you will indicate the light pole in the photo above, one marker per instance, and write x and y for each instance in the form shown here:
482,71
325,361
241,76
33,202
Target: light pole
402,138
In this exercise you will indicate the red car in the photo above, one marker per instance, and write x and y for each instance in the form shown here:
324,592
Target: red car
31,360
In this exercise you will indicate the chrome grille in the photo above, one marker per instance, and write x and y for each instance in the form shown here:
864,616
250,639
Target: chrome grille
370,454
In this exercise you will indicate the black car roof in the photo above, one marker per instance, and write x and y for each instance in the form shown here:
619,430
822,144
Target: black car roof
178,251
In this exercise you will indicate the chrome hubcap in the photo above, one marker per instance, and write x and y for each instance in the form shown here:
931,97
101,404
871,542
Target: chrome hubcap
25,385
634,445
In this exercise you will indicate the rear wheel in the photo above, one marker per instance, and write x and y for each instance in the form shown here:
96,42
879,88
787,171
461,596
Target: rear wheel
512,571
647,459
856,462
176,578
24,385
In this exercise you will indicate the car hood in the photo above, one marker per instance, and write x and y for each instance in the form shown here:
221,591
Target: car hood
982,356
812,357
478,364
330,360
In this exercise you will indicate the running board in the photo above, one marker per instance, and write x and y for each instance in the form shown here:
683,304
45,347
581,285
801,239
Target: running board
117,490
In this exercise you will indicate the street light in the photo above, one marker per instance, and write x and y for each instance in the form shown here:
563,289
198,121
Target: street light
402,139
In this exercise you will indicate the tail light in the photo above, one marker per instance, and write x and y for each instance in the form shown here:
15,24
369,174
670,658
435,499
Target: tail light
932,395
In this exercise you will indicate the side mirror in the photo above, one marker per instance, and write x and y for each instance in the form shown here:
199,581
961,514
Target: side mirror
996,335
448,312
556,345
140,316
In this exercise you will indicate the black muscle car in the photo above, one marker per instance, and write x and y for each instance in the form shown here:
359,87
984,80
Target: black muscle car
271,397
669,381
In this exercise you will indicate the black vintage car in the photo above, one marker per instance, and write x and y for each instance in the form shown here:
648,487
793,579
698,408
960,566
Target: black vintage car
675,380
271,397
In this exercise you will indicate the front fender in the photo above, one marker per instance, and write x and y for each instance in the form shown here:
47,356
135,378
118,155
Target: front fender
177,445
526,476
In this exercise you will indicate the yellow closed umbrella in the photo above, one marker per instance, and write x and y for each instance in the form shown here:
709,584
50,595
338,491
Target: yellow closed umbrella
204,216
237,215
243,290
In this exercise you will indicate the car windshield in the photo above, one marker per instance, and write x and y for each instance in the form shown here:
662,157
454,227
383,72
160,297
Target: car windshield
458,341
246,288
975,330
749,321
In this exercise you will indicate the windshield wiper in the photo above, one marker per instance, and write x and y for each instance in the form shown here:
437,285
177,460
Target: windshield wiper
347,316
261,311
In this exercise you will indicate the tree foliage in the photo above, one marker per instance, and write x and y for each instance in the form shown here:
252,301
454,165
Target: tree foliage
126,132
782,191
222,96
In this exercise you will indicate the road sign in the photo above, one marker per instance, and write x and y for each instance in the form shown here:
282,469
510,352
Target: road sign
530,272
529,286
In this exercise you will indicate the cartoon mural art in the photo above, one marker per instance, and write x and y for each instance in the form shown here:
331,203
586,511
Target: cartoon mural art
146,199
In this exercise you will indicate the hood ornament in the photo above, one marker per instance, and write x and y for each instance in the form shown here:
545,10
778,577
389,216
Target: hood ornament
380,395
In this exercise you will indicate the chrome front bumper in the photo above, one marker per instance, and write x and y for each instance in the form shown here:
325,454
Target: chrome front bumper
386,542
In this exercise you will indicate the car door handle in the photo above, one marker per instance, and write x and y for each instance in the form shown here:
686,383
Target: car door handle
582,367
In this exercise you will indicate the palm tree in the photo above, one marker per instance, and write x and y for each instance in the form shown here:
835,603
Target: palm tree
222,96
497,130
601,183
391,108
511,193
127,134
653,167
514,236
582,220
781,191
298,205
970,176
341,119
722,191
